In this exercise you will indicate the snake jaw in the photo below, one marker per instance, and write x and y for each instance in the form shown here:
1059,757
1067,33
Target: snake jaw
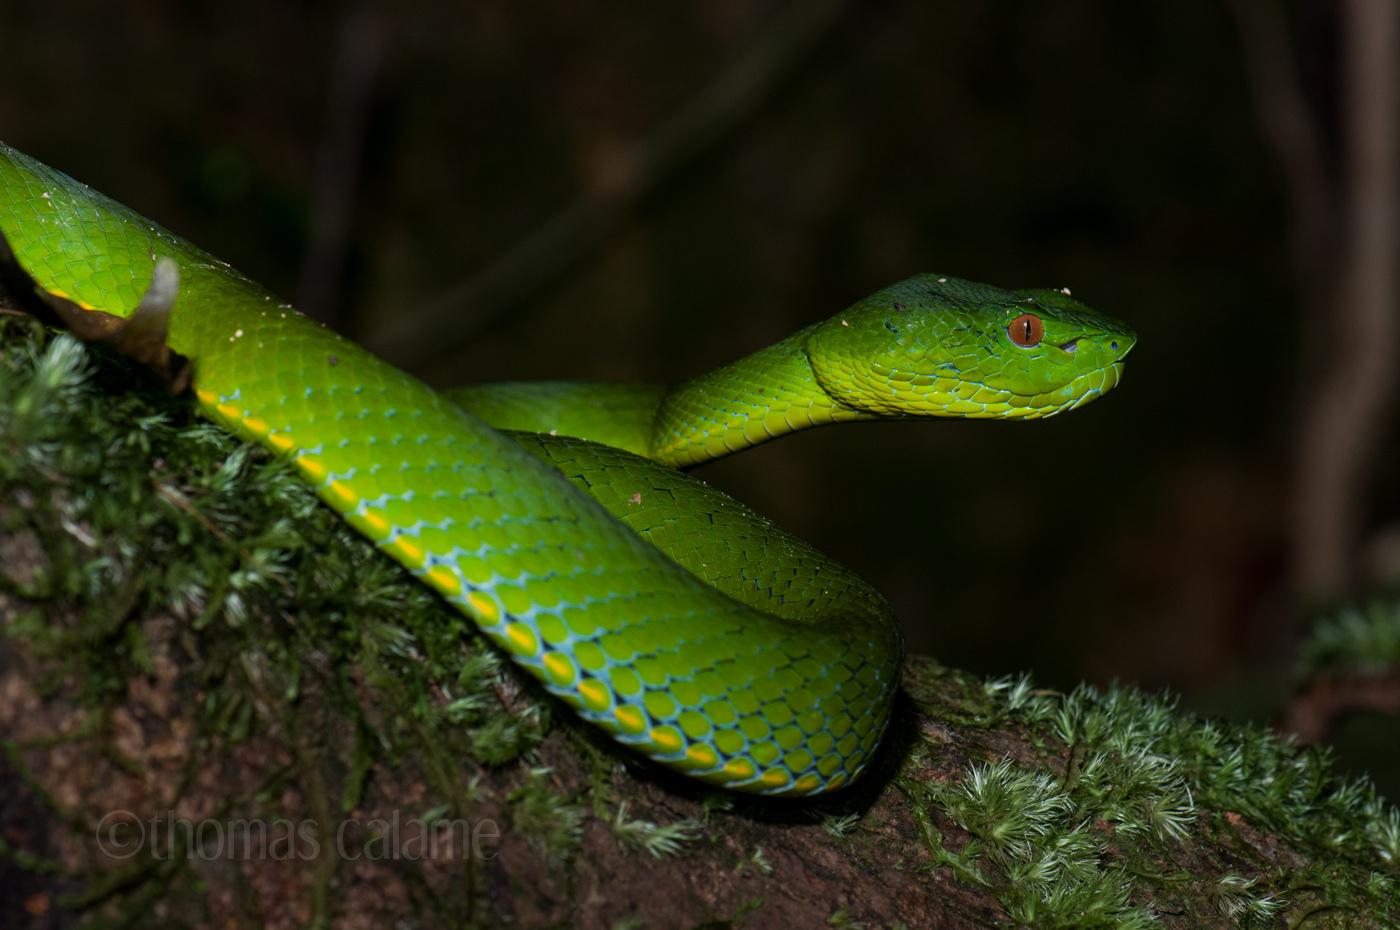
1110,375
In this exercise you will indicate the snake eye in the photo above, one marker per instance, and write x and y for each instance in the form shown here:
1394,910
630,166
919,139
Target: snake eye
1026,330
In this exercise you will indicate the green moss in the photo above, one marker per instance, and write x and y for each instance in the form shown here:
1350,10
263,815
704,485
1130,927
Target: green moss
551,822
657,840
128,508
839,825
1033,846
1355,641
140,508
842,919
1130,794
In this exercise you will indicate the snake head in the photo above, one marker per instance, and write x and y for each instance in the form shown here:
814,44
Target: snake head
938,346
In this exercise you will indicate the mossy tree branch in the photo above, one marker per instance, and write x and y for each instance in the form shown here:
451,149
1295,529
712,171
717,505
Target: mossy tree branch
189,637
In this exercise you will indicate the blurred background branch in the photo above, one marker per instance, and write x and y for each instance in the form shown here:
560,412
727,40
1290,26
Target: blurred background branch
364,42
1344,249
1294,138
562,241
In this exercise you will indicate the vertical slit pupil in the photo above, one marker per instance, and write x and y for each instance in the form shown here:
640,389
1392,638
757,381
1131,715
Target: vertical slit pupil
1026,330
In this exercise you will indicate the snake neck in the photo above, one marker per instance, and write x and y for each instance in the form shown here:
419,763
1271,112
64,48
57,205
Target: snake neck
760,397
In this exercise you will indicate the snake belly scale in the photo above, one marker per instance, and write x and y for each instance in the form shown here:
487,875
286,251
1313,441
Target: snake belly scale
684,625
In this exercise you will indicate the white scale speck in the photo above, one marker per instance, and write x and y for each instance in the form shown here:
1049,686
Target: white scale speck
942,280
1065,291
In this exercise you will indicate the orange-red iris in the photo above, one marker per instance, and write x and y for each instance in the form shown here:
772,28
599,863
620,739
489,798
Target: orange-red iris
1026,330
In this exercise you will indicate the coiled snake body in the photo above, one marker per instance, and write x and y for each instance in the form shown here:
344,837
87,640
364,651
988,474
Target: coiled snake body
660,610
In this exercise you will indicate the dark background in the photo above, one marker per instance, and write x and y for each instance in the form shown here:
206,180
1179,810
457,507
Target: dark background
692,180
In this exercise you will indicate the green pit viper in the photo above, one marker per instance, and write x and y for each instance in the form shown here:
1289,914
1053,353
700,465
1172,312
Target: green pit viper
552,515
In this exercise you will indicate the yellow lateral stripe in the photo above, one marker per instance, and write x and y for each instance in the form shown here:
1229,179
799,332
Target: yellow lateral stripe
701,755
594,694
411,551
485,608
64,296
206,396
229,411
739,768
311,468
775,778
667,739
254,425
440,576
522,639
341,491
631,718
281,442
807,782
559,666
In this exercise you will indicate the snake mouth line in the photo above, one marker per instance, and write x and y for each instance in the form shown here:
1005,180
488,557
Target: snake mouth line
1110,375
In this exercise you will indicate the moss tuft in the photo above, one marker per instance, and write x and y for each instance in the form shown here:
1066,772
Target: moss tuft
1354,641
1129,789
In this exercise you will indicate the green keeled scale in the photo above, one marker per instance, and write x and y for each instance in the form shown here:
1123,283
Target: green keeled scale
685,625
